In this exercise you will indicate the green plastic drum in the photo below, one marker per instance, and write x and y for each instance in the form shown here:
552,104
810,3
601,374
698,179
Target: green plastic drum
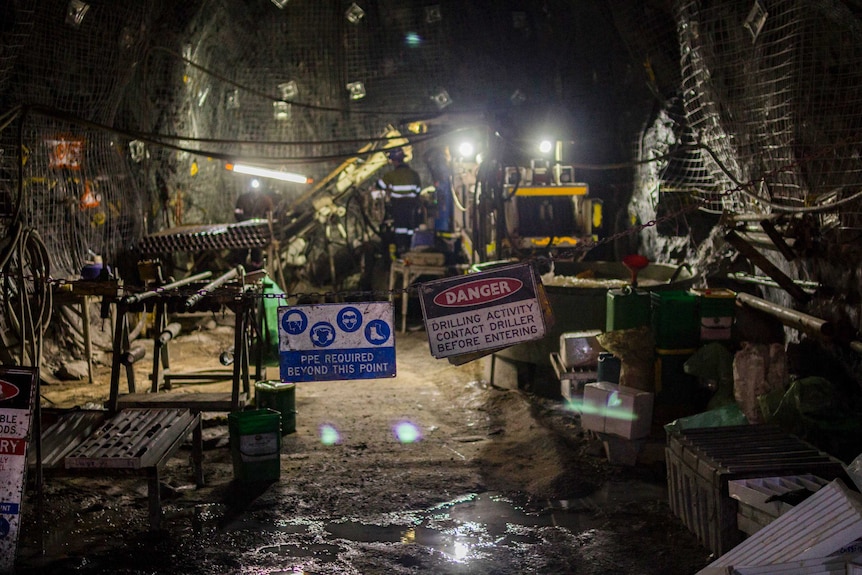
281,397
255,444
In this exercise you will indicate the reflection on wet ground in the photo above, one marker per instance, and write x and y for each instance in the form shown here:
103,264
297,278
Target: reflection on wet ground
478,533
484,533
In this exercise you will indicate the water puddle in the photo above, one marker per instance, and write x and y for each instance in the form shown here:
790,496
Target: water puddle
474,534
475,528
315,550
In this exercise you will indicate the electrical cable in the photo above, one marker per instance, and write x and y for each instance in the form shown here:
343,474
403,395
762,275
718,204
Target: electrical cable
821,208
19,200
9,242
9,117
30,320
156,139
743,188
24,257
456,199
740,186
366,220
616,165
281,143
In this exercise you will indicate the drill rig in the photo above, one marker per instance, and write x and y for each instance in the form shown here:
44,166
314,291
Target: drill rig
518,211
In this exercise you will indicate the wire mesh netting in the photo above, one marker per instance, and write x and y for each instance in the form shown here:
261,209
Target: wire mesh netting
147,101
75,185
143,104
766,116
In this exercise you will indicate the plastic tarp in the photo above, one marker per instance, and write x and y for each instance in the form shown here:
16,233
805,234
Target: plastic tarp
713,363
814,409
723,416
271,302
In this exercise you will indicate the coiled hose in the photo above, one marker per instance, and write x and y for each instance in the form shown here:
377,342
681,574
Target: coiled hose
27,295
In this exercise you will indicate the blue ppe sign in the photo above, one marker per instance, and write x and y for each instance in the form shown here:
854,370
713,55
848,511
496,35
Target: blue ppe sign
328,342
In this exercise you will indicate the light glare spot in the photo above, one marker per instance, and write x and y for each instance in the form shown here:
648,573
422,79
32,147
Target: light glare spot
412,39
329,435
409,536
406,432
608,411
461,551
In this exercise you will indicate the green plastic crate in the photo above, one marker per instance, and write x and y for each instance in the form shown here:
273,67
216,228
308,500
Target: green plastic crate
627,309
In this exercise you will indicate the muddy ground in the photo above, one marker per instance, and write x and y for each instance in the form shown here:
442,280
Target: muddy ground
495,481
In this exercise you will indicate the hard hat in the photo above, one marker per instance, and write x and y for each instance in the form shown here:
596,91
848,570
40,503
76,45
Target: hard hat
396,155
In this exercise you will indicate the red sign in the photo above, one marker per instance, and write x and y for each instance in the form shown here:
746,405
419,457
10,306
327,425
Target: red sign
17,400
7,390
12,446
478,292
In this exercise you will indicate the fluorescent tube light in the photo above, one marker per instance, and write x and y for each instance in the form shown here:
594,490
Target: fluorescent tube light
267,173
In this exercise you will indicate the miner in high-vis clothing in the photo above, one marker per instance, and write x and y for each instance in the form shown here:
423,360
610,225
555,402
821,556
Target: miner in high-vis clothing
404,212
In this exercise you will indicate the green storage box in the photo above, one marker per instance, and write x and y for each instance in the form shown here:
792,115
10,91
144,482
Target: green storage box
675,319
255,444
717,313
626,309
281,397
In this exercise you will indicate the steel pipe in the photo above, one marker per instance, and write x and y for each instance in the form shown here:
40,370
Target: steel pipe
133,355
171,331
207,289
787,316
134,298
770,269
764,240
808,286
226,357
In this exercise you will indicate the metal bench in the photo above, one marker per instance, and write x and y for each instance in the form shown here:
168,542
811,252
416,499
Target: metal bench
130,442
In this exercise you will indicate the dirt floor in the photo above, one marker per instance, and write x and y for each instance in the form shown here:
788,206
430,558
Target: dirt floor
485,481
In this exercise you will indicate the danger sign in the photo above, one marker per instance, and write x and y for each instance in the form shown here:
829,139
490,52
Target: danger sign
487,310
478,291
17,393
